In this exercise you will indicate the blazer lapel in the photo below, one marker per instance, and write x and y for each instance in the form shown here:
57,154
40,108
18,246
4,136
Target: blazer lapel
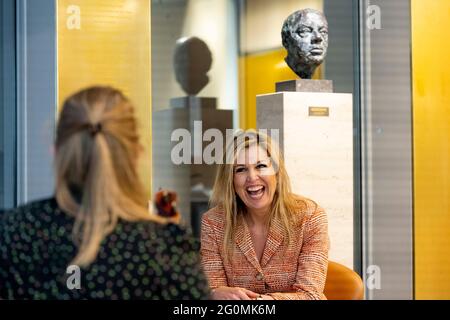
245,244
274,240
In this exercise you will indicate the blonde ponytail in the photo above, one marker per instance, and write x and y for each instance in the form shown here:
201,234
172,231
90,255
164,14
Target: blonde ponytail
96,175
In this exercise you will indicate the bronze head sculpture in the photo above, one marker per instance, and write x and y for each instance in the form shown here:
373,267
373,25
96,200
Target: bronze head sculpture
305,36
192,61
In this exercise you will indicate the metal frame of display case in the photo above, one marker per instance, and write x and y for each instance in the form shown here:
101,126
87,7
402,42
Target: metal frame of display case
36,98
8,103
386,145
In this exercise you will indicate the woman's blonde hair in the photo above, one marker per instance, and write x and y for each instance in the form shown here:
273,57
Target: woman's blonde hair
97,145
285,204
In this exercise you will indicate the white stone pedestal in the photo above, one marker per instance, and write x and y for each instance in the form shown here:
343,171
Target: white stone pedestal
316,136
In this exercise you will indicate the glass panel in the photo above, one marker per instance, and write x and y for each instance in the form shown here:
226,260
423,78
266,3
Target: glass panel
195,86
243,41
317,167
387,149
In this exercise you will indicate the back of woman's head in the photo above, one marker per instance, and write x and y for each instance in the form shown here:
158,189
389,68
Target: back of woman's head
97,146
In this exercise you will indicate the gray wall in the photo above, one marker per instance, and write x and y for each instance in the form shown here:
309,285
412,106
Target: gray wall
339,64
387,148
342,67
36,97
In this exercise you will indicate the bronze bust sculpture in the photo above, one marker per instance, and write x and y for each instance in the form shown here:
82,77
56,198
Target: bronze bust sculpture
305,36
192,61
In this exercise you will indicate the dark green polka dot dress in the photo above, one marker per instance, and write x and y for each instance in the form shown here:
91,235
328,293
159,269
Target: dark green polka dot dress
138,260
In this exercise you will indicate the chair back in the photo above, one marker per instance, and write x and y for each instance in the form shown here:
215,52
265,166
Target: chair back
343,283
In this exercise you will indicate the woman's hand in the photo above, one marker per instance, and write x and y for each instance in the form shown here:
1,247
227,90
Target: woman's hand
233,293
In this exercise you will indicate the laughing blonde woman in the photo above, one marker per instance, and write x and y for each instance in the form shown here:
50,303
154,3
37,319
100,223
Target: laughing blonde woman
259,240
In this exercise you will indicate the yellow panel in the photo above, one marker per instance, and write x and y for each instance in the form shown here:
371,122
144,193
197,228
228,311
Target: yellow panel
107,42
431,104
258,75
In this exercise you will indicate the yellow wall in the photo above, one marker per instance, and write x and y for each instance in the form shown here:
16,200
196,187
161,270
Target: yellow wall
111,47
258,74
431,105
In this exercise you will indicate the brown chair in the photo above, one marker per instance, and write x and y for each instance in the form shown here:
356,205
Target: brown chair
343,283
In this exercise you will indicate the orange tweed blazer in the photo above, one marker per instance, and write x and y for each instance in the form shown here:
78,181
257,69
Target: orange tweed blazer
291,272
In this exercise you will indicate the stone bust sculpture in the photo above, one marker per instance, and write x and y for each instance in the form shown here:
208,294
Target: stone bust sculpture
305,36
192,61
